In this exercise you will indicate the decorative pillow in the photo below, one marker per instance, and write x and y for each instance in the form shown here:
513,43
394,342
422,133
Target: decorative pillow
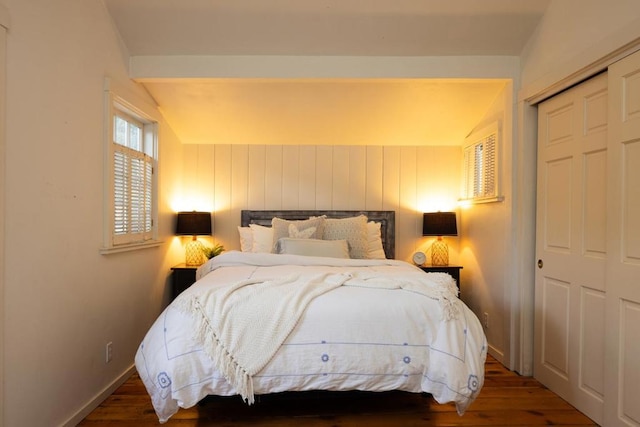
246,239
262,238
376,251
353,230
304,234
281,227
313,247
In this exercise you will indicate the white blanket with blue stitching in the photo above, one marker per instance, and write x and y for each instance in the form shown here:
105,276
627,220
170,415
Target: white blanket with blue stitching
391,327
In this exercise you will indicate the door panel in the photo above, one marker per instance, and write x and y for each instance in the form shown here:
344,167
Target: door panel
595,204
555,331
622,380
631,202
592,318
557,203
571,244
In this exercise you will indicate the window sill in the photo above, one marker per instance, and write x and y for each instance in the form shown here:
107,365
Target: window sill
130,247
481,200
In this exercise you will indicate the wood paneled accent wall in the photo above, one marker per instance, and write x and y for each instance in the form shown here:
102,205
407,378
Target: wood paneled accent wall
407,179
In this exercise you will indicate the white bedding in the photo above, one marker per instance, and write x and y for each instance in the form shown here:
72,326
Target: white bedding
390,326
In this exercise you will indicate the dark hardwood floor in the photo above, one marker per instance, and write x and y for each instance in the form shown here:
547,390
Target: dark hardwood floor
506,399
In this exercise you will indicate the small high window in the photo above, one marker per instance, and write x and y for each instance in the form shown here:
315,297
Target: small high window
480,181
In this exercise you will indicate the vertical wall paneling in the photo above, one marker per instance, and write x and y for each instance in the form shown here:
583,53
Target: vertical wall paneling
374,177
236,177
239,181
424,173
273,177
257,177
224,223
407,211
190,177
391,179
205,175
308,176
324,177
357,177
341,183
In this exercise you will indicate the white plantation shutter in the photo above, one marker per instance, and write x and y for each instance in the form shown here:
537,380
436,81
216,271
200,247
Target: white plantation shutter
489,182
130,184
480,168
132,221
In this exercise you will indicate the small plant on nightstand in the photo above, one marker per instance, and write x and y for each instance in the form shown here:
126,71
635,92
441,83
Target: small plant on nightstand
211,251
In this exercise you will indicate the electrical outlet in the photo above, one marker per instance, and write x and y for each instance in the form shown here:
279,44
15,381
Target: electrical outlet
485,320
108,355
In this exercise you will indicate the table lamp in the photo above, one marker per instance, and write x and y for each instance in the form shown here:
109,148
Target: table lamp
439,224
194,224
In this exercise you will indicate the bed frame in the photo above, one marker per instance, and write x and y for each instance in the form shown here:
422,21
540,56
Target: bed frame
387,220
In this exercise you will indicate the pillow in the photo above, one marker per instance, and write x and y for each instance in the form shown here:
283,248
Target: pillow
304,234
262,238
281,227
246,239
375,250
313,247
353,230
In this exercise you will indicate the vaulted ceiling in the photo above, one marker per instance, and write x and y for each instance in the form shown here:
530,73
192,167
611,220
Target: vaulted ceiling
443,109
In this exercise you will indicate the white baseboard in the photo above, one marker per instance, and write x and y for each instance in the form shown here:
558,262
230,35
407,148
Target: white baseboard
99,398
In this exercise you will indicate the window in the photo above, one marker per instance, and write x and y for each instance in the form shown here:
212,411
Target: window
130,169
480,168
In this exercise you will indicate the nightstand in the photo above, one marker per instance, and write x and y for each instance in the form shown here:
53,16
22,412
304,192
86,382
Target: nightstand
183,277
453,270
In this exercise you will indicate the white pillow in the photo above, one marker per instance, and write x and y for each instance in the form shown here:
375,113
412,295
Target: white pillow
246,239
262,238
353,230
313,247
376,251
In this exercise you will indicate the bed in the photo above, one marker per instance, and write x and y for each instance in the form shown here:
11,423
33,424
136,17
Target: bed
314,302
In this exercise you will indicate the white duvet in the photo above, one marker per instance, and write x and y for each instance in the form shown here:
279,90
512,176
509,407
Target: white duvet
381,325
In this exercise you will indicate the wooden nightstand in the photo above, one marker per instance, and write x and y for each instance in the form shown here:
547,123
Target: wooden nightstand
453,270
183,277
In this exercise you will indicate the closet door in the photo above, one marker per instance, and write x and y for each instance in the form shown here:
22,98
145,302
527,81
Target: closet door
622,391
570,294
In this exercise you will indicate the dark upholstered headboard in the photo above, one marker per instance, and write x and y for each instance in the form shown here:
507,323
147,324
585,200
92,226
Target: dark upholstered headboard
387,220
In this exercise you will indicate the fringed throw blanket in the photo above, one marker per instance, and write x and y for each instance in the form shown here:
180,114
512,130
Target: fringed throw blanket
437,286
242,325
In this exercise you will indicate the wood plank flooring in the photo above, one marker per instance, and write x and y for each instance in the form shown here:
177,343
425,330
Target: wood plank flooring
506,399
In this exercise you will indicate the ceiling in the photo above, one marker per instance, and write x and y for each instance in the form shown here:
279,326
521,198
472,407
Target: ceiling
318,28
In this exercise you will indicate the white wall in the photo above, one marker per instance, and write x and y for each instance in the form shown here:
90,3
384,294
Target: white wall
572,35
486,250
63,300
408,180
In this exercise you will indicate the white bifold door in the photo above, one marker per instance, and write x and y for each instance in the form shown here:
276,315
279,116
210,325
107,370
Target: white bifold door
587,309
